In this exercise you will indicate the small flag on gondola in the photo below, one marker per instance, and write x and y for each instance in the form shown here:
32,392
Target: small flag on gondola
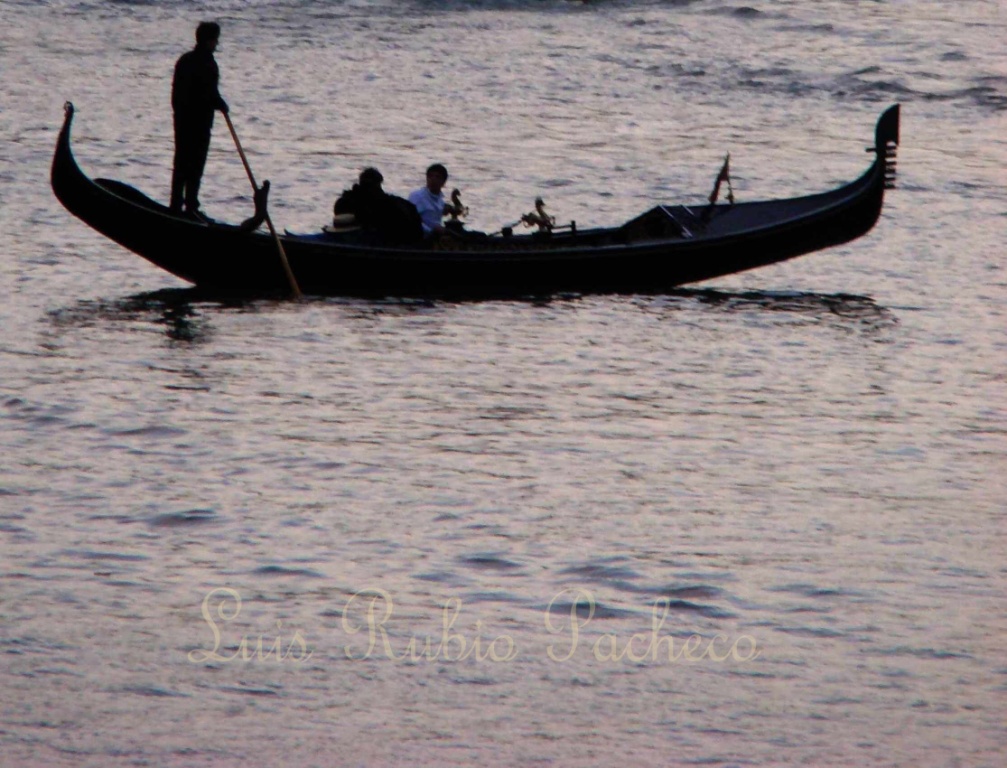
724,175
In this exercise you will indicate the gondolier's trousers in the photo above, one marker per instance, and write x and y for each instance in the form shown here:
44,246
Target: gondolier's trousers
192,143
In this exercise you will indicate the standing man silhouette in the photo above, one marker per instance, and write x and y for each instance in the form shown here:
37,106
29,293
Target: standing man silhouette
194,98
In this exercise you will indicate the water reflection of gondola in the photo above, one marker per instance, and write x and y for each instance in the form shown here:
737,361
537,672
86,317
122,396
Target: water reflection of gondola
186,313
177,310
835,306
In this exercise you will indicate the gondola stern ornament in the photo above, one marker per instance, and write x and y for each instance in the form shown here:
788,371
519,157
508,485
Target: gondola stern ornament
886,143
61,160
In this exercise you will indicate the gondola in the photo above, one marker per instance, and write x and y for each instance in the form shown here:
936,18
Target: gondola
664,247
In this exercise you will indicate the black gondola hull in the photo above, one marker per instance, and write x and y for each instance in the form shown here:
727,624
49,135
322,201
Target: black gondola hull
720,240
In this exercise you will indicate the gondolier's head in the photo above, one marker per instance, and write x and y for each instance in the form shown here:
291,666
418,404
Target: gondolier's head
207,33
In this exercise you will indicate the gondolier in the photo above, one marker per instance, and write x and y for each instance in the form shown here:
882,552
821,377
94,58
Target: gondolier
194,98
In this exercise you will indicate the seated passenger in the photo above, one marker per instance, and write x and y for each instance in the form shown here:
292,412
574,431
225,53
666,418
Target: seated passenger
429,200
392,219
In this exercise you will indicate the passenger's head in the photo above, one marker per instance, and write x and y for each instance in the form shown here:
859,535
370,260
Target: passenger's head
437,177
371,178
207,34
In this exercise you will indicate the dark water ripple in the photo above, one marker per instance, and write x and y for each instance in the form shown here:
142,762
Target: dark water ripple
491,561
183,518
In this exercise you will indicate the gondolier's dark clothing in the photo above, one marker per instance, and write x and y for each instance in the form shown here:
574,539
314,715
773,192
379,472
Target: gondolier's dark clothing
194,98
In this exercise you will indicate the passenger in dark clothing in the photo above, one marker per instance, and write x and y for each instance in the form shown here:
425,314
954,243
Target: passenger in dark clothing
393,220
363,197
194,97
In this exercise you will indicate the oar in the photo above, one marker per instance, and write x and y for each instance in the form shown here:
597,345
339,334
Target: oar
294,289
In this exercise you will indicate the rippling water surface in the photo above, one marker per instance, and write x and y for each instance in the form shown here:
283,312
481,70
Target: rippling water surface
756,522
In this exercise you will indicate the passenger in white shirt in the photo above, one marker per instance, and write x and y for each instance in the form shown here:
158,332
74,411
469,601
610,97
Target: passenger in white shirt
429,200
